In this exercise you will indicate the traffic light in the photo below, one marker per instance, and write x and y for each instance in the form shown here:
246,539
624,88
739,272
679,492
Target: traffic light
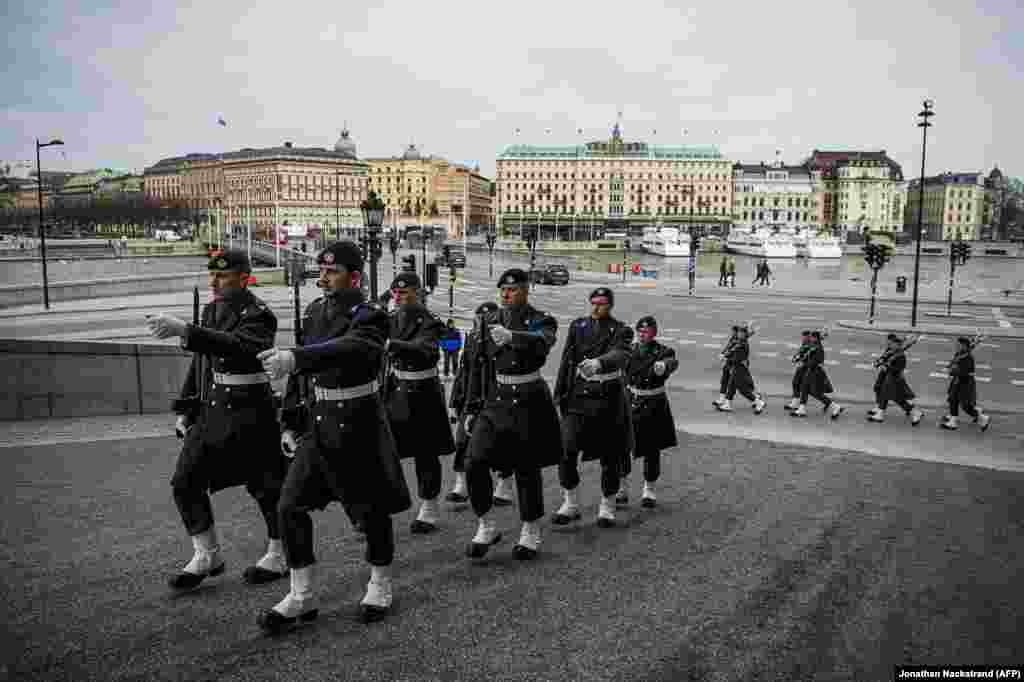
876,255
960,251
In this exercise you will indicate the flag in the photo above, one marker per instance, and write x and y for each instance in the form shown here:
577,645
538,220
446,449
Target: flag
547,131
220,120
579,131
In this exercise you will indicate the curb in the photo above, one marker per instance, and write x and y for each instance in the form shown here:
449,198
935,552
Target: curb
935,330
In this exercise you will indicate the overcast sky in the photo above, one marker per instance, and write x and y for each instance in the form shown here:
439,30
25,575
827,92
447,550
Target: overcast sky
125,84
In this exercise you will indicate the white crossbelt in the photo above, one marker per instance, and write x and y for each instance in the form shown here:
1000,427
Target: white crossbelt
607,376
350,393
240,379
516,379
416,376
644,392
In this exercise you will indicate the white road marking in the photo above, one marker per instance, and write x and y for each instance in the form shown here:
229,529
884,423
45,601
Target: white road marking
983,379
674,330
1017,382
711,345
718,336
919,360
1000,318
983,366
696,332
941,363
1017,369
792,345
850,352
686,341
666,338
806,317
938,375
831,362
989,345
767,354
766,342
861,365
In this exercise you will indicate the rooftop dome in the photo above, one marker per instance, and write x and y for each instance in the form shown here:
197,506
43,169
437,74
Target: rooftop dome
412,154
344,145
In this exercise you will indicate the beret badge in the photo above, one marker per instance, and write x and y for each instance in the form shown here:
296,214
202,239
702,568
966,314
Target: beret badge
329,258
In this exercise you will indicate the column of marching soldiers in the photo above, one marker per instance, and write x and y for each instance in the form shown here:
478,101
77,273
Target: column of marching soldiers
363,393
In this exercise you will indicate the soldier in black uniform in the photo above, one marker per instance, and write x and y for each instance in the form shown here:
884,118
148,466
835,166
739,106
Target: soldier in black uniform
226,418
891,383
414,395
798,374
962,391
349,454
654,429
516,425
737,365
595,411
814,381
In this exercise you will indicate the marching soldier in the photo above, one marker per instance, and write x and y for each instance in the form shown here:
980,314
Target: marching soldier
737,364
962,390
891,383
414,395
649,366
516,425
814,381
226,418
801,367
723,382
349,455
595,412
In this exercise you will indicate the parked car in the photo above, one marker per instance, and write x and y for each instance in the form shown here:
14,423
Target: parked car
551,273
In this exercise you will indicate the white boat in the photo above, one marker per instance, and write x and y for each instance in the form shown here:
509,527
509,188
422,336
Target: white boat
812,244
763,242
666,241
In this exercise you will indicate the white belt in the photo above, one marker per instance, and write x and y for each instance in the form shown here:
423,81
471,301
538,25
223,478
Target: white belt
644,392
416,376
608,376
516,379
240,379
350,393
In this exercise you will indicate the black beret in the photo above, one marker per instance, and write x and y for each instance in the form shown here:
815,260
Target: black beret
344,254
231,260
603,291
406,280
816,334
806,332
486,307
964,340
893,337
647,322
513,277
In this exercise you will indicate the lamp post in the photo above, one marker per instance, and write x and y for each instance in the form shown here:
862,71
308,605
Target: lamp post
42,229
531,244
926,113
625,252
491,240
393,245
373,215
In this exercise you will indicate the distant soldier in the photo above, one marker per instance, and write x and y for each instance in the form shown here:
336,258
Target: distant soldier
516,425
595,410
414,395
648,369
736,357
723,272
891,383
226,418
962,391
814,381
801,367
349,455
732,271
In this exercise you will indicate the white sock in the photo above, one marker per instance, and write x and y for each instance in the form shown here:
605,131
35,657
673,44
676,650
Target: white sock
460,483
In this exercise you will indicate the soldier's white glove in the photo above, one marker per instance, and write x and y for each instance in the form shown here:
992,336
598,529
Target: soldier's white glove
277,363
289,445
181,426
589,368
660,367
500,335
468,425
164,326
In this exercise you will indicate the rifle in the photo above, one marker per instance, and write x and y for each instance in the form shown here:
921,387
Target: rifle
884,358
960,355
483,363
301,388
200,370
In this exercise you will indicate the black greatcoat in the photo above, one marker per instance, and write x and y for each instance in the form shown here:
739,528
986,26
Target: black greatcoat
349,450
235,439
518,425
416,409
461,389
737,362
654,428
595,415
814,374
962,386
891,384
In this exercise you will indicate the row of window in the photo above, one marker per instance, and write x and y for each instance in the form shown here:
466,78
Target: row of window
804,216
593,206
628,176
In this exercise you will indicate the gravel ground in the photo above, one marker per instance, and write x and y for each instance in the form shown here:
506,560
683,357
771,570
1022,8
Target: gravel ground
762,562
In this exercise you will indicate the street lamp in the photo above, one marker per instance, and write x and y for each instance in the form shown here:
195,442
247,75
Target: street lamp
42,230
925,114
531,244
373,216
492,238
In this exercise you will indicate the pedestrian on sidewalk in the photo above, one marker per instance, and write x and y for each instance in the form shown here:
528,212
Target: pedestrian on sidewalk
737,370
732,271
766,274
649,366
349,455
226,419
723,272
962,391
891,383
815,381
595,411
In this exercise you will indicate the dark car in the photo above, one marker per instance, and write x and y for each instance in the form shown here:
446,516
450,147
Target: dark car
457,260
550,274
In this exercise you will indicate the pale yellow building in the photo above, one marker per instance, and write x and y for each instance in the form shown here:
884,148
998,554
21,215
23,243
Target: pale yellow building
583,191
861,191
954,206
777,195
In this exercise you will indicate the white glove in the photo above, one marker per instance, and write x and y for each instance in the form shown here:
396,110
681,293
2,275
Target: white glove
164,326
277,363
289,444
500,335
181,426
589,368
659,367
468,425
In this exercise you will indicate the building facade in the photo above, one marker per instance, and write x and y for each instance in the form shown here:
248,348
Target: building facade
420,189
954,206
582,191
861,191
777,195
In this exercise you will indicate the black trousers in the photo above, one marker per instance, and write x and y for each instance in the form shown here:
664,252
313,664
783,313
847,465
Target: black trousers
451,362
904,405
745,392
428,476
955,405
569,473
652,465
304,490
529,489
798,379
805,391
723,384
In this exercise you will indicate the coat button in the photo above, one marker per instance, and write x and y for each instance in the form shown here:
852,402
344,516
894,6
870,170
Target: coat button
228,389
318,418
212,403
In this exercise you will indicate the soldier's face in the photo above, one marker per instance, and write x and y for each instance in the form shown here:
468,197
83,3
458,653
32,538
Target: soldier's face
403,296
334,278
514,295
647,334
222,284
893,345
600,311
